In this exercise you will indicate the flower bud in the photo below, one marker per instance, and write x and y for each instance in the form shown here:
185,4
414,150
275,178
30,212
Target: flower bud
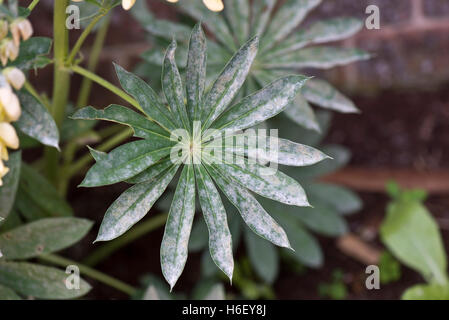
214,5
11,105
21,27
127,4
15,77
3,29
8,135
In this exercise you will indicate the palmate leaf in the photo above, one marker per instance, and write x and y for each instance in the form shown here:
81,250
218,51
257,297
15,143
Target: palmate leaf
172,138
261,105
174,247
274,150
319,32
291,14
302,113
276,186
228,82
142,127
324,57
126,161
196,72
251,211
281,49
220,242
172,87
133,205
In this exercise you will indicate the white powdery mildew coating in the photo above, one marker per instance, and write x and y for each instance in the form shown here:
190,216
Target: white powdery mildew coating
323,94
277,186
252,212
132,205
152,172
287,18
262,105
196,71
261,12
220,241
229,82
173,88
143,128
36,122
174,247
278,150
145,95
320,58
125,162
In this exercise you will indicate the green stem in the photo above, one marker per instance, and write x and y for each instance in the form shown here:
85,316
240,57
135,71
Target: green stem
81,163
61,81
91,273
29,87
138,231
94,56
83,36
33,4
92,76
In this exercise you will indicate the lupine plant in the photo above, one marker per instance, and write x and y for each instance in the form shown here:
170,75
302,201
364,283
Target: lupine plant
283,49
181,142
227,30
150,165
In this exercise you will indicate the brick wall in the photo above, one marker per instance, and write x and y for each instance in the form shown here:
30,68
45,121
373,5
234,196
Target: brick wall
411,48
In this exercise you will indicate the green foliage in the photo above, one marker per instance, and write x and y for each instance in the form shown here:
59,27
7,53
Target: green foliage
390,269
282,46
148,164
36,121
411,234
335,290
36,199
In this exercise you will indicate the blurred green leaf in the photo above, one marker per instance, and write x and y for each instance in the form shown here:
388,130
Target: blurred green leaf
36,121
412,235
39,281
42,236
40,196
10,185
263,256
426,292
31,52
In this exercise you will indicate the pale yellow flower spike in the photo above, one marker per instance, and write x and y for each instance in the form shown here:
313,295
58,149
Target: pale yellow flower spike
127,4
214,5
8,135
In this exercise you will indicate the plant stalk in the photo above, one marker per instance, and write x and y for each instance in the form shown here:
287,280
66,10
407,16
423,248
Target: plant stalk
91,273
94,56
61,81
92,76
83,36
